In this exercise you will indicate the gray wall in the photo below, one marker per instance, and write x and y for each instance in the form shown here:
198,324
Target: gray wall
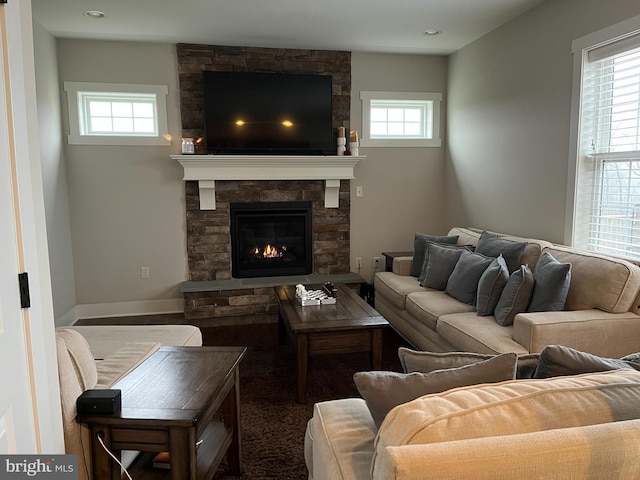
507,114
403,187
127,203
509,111
54,172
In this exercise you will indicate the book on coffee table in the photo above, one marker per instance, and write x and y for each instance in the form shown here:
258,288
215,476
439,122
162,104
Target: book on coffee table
161,460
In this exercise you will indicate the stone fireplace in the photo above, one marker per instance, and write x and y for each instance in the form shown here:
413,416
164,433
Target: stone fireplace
213,185
212,290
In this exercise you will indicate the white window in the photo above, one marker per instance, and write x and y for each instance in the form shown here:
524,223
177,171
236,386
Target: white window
607,218
400,119
117,114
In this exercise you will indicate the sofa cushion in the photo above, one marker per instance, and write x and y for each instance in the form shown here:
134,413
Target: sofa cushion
515,296
106,339
342,432
470,333
395,288
425,362
492,245
440,261
490,286
558,360
385,390
550,454
463,281
552,280
420,241
597,281
511,408
428,307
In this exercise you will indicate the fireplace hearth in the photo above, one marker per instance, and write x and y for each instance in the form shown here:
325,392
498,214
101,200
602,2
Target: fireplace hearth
271,239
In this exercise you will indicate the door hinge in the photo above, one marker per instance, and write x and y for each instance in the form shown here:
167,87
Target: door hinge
25,296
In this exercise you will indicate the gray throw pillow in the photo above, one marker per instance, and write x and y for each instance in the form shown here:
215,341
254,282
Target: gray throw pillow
558,360
420,245
385,390
632,357
425,362
491,285
463,281
440,264
515,297
491,245
552,284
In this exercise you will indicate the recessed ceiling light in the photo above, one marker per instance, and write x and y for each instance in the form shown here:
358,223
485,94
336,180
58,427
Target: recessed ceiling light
94,14
431,32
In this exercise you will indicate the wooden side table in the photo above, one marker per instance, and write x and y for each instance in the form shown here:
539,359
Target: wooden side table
389,256
169,403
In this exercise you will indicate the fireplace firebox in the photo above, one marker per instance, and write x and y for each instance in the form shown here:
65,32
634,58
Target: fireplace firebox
271,239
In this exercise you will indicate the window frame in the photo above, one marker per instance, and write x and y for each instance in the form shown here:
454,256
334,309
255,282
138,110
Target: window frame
429,101
78,112
581,165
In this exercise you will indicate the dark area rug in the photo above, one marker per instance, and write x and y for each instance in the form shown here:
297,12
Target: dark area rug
273,424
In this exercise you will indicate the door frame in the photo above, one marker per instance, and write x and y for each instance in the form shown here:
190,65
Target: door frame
38,322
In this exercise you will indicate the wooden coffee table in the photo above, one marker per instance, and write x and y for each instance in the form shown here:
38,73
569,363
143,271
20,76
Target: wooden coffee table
351,325
170,404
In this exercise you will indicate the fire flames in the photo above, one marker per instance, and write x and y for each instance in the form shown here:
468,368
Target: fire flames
269,251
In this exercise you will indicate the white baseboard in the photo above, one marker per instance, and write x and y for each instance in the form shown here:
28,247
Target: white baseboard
121,309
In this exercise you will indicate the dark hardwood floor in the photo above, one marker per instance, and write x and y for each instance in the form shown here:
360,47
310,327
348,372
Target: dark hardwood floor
267,377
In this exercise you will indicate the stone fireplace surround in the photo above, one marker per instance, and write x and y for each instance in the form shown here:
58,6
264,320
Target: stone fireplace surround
210,291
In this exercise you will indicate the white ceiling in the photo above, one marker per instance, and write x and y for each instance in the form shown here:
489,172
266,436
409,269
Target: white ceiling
354,25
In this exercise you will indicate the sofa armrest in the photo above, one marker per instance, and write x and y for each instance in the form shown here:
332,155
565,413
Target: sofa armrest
402,266
594,331
558,453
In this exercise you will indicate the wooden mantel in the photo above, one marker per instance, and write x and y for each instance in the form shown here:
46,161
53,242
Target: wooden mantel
206,169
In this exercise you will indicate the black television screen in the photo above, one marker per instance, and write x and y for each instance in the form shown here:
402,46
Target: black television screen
268,113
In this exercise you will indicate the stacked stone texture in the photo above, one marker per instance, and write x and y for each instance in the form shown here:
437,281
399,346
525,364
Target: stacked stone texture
194,59
208,231
209,241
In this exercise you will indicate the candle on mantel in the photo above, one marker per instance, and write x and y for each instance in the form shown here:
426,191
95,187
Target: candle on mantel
340,132
354,136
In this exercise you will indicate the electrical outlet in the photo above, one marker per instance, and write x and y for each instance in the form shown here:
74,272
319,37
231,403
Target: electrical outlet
359,191
376,262
358,263
144,272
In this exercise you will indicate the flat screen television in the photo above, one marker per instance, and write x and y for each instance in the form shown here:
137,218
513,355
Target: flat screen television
268,113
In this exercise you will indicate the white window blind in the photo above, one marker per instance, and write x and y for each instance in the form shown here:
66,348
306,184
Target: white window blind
608,201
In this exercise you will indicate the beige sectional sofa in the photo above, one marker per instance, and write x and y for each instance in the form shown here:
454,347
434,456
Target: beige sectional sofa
601,313
575,427
94,357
